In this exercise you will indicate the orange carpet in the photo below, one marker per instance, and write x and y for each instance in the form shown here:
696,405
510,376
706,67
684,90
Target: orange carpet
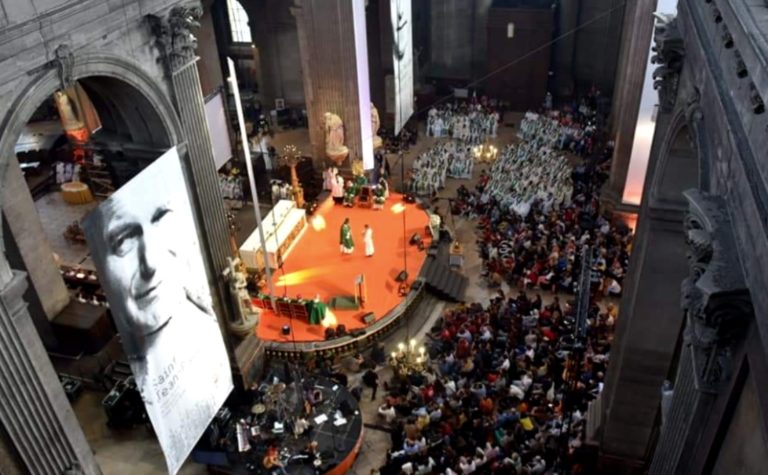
315,265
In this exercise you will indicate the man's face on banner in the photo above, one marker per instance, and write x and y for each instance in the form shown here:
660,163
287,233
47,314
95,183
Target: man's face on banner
141,262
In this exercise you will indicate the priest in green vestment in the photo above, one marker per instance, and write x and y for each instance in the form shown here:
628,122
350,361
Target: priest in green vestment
345,238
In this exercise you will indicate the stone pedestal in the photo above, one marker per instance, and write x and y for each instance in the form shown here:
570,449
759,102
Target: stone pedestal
35,413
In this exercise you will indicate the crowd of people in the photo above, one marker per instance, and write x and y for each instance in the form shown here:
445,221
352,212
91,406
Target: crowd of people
471,122
451,159
508,394
522,174
510,382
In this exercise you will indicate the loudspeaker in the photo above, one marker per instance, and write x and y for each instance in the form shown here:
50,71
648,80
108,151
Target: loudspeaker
410,198
416,285
402,276
369,318
286,330
330,333
415,239
357,333
341,330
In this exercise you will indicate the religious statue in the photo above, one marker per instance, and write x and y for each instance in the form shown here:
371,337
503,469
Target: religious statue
346,243
247,312
375,125
68,113
334,138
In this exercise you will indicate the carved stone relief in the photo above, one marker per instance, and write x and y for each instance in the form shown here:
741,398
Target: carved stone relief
715,299
669,51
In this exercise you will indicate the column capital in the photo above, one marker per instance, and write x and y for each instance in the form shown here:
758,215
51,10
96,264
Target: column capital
715,296
173,35
669,51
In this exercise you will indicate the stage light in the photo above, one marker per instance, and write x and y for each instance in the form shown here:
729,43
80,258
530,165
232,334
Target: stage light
318,223
401,346
330,319
397,208
298,277
413,342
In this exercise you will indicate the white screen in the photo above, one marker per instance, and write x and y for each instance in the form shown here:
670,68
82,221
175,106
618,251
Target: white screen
402,59
217,126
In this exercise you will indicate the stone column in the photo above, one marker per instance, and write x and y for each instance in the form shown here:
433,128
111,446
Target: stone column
329,67
177,50
29,251
34,411
718,310
633,59
568,21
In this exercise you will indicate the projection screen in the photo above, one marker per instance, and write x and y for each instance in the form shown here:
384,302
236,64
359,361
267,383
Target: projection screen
144,244
402,59
217,126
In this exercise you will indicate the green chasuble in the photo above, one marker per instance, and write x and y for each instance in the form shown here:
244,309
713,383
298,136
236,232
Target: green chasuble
345,239
316,311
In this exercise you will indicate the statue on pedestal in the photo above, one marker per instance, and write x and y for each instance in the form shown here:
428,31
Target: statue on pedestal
375,125
334,138
247,312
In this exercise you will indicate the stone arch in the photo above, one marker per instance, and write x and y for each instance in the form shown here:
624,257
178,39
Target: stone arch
678,167
131,102
147,99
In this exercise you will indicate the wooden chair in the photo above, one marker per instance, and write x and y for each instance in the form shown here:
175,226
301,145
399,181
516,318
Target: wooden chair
365,199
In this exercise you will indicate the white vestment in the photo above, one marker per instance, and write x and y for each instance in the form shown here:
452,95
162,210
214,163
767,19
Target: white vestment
368,241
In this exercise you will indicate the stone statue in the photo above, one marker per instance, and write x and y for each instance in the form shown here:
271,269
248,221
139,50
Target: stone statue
375,125
334,138
334,132
248,314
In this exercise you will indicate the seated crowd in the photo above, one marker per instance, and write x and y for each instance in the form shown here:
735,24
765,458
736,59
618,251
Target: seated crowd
508,395
451,159
471,122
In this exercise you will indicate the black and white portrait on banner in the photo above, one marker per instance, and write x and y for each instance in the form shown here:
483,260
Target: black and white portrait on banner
402,59
145,247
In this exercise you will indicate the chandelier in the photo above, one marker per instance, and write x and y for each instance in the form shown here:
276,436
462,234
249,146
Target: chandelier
485,153
408,359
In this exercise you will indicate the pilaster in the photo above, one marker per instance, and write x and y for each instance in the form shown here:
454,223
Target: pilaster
34,411
718,310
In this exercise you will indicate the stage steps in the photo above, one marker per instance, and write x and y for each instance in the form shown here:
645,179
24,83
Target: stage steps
443,281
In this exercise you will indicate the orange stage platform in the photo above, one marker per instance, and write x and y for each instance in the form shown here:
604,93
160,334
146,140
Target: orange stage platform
316,266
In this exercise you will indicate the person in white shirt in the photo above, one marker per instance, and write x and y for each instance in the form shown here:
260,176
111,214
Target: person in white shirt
387,411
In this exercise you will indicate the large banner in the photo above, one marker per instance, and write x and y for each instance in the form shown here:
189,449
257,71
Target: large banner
402,59
145,247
